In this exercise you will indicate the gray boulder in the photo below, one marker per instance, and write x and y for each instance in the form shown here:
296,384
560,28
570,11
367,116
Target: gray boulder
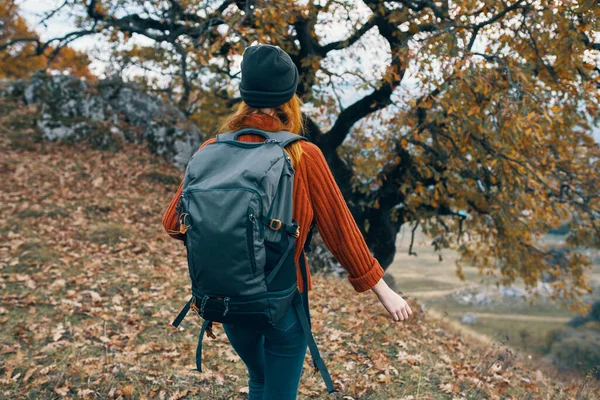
468,319
471,297
511,292
105,113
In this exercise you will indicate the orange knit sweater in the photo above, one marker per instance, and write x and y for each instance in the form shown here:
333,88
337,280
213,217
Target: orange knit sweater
317,195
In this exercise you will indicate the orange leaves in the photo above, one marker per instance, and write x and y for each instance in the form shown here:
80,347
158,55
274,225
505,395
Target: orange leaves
474,110
20,60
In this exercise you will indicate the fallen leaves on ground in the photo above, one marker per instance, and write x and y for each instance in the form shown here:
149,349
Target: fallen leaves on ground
90,282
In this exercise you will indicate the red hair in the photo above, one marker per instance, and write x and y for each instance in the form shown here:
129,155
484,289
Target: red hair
288,117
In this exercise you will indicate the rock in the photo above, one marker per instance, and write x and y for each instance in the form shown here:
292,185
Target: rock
471,297
320,258
468,319
105,113
391,282
511,291
10,88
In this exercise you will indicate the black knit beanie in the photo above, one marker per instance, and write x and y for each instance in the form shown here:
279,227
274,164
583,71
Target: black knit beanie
269,77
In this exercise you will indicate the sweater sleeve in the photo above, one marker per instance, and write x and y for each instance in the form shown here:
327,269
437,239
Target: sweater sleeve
337,225
169,219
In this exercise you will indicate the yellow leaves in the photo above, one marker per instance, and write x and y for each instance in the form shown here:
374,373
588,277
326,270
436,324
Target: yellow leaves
99,8
474,110
20,60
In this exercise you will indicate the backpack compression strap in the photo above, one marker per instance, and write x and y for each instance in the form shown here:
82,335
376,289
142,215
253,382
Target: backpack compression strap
301,305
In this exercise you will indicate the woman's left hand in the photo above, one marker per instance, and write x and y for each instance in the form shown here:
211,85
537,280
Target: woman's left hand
392,301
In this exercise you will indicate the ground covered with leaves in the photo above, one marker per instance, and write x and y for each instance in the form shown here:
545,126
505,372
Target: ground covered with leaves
89,283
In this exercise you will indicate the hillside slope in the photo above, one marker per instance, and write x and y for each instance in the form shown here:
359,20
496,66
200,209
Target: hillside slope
89,283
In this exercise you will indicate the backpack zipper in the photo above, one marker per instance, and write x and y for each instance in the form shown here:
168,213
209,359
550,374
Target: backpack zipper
250,238
186,192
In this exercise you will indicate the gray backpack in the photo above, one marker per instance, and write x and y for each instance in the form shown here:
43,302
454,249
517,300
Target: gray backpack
236,216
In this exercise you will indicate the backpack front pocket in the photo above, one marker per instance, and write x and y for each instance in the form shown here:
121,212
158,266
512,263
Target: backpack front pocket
228,257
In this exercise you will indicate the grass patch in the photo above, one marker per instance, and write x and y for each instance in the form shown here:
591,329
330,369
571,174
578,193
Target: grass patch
109,233
18,126
95,209
163,179
35,253
528,336
24,141
44,211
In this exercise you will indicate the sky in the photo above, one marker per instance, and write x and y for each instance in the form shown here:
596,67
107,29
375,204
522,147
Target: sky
375,46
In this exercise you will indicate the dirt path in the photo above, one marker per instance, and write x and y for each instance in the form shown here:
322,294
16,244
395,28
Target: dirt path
515,317
430,294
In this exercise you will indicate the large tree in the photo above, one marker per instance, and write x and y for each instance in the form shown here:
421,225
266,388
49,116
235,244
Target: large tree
488,147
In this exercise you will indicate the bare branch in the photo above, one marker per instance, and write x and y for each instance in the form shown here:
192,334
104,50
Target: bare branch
349,41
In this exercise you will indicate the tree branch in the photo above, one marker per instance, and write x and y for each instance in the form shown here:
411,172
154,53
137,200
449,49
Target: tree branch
349,41
379,98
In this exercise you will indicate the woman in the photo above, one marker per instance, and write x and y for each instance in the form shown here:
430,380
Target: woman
275,356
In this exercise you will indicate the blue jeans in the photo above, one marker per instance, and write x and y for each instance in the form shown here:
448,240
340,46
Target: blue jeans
274,356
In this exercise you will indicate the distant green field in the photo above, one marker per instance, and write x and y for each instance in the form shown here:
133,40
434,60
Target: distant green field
527,336
434,279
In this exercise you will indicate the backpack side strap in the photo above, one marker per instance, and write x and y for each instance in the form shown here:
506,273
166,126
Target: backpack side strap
206,326
312,346
182,313
301,305
269,278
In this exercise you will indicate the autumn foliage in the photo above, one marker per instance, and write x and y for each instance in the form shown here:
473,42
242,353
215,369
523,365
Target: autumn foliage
20,59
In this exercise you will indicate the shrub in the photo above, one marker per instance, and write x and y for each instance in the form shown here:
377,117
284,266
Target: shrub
581,352
555,336
593,315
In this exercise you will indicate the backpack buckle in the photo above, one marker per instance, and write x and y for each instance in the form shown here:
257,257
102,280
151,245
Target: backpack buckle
194,307
183,227
275,224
